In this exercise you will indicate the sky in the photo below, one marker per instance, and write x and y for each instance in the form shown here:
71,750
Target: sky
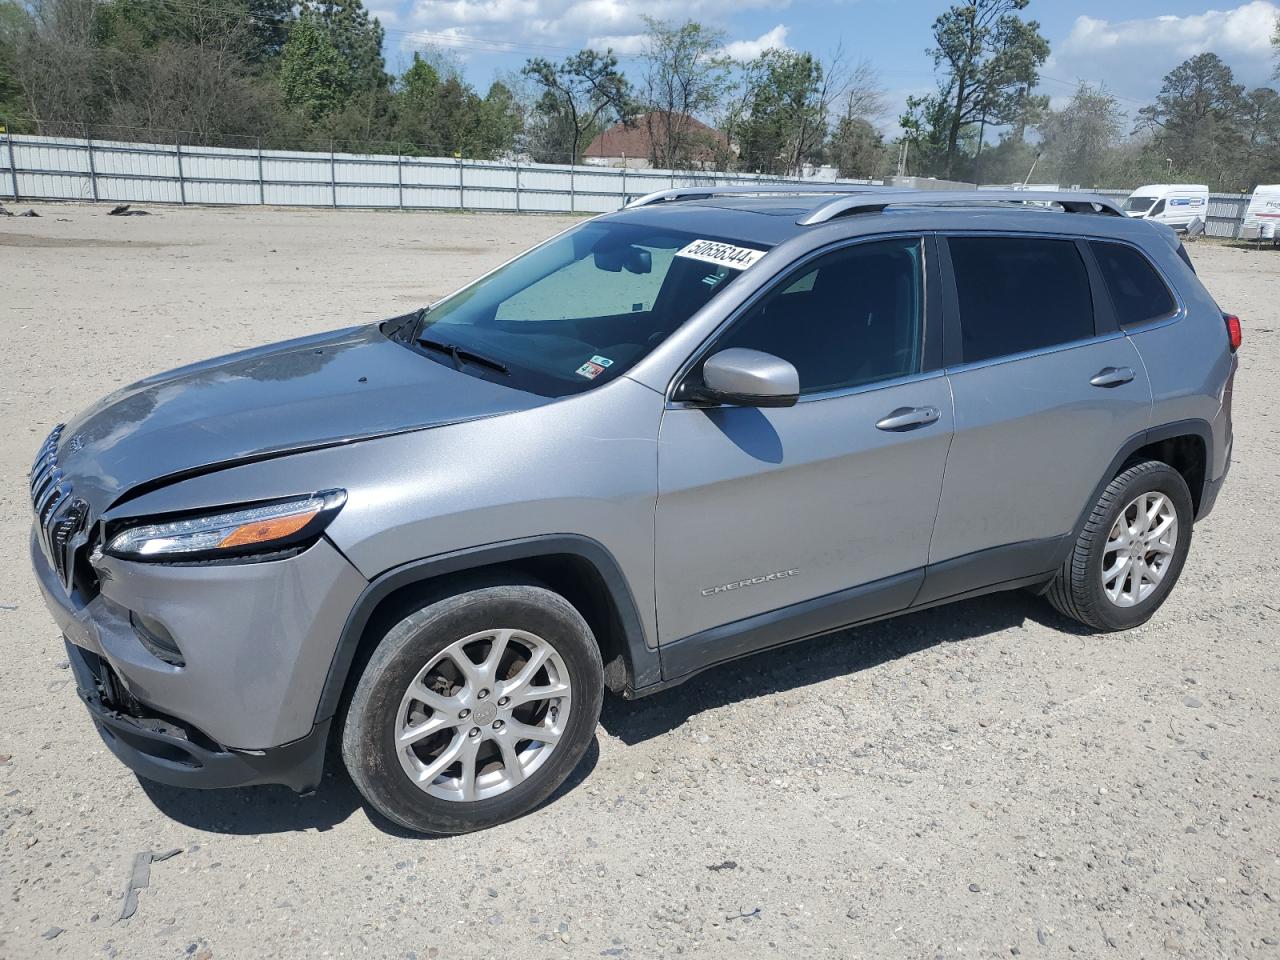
1128,45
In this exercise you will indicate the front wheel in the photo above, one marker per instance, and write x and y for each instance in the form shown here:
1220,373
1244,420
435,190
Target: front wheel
1131,551
474,709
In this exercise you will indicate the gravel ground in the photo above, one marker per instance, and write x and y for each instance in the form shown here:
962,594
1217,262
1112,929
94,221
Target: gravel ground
981,780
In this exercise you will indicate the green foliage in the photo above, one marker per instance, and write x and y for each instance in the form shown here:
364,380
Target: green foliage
579,96
357,38
270,23
1195,119
446,116
1275,47
1079,140
284,72
783,126
686,75
856,148
988,61
14,24
314,77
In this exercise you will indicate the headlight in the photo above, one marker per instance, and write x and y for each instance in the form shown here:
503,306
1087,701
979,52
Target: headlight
263,528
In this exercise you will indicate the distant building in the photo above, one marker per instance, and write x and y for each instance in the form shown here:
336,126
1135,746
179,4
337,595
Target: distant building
631,144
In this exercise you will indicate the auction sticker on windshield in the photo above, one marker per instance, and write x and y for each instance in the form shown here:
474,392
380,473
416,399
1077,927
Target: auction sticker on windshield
723,254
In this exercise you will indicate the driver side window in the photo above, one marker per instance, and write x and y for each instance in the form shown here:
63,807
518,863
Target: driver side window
850,318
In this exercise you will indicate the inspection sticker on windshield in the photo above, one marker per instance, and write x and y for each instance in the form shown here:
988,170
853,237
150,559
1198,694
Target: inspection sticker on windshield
594,367
723,254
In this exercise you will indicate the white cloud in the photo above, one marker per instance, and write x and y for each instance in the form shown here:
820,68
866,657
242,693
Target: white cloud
527,25
624,45
775,39
1133,56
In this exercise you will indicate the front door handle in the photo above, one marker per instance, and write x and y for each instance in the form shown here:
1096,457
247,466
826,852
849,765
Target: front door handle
908,418
1112,376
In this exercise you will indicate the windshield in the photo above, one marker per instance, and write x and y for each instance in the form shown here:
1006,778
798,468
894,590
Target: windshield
1138,204
581,309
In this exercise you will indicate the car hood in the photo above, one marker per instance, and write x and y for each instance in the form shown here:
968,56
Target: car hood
299,395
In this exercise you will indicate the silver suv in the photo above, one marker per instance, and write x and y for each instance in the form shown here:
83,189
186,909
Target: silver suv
711,423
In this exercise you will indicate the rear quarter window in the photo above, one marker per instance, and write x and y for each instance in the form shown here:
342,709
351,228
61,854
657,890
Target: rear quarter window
1018,294
1137,290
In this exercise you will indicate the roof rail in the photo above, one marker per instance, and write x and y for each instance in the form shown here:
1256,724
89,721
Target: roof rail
764,189
875,202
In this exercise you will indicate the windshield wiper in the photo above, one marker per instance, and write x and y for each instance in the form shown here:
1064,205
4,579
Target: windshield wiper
462,353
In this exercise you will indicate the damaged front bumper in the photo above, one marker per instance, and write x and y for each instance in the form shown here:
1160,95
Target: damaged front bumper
168,751
239,706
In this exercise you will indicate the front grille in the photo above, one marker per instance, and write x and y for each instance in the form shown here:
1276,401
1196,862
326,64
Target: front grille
62,519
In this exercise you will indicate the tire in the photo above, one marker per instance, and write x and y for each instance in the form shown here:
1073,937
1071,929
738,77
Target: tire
1078,590
509,775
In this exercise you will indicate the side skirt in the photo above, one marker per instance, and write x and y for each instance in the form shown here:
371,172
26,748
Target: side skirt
1009,567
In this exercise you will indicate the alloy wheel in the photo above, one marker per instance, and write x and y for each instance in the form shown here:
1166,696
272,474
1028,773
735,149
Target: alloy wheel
483,715
1139,549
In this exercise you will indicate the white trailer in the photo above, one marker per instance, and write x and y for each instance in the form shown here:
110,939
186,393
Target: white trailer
1262,218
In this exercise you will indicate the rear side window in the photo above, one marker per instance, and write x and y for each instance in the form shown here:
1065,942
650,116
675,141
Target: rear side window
1018,294
1138,293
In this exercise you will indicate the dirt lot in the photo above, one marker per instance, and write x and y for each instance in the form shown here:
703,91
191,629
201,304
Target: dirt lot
979,781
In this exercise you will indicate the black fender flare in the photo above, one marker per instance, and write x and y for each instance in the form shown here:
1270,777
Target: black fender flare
643,668
1178,428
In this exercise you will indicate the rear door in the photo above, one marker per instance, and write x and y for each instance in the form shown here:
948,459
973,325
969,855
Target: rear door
1046,389
763,509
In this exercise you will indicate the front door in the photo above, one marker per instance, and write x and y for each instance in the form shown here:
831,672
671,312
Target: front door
763,509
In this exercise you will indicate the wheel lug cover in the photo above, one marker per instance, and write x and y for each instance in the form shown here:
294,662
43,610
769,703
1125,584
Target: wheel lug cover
475,732
497,724
503,701
462,715
482,694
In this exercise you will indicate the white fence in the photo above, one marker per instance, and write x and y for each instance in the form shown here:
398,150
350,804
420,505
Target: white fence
69,168
64,168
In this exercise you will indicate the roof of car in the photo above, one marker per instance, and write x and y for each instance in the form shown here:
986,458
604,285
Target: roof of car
768,219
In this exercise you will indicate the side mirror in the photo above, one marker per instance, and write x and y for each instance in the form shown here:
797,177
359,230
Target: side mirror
748,378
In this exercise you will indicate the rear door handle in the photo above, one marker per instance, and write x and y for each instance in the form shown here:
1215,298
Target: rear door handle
908,418
1112,376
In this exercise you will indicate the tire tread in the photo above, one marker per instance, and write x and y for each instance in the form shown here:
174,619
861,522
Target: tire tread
1071,591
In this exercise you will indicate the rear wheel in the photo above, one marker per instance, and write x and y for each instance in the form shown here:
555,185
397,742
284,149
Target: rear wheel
474,709
1131,551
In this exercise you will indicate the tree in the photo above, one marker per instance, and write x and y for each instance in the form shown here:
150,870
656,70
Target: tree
1195,120
1260,130
444,114
784,124
269,21
685,75
314,77
864,93
499,121
1275,47
14,25
57,63
580,94
358,39
989,61
857,148
180,68
1078,140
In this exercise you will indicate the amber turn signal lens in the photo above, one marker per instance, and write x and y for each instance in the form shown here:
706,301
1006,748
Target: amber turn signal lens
264,531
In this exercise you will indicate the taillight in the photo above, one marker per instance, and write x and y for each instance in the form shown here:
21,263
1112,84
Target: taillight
1233,331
